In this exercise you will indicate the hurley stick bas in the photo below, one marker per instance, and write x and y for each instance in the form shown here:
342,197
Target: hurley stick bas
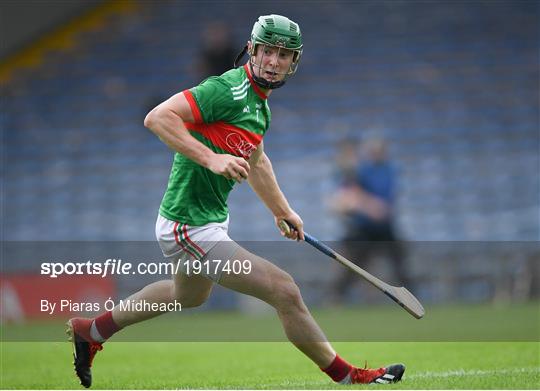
399,294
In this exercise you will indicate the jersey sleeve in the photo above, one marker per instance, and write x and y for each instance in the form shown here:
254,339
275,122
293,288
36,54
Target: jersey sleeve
213,98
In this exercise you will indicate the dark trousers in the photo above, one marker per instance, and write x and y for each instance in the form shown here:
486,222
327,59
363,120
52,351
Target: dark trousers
361,244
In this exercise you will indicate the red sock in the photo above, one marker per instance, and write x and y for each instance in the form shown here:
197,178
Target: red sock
338,369
105,325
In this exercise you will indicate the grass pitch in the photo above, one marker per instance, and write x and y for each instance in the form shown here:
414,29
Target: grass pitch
270,365
276,365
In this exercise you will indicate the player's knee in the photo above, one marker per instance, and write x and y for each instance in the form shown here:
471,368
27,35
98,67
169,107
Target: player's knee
286,292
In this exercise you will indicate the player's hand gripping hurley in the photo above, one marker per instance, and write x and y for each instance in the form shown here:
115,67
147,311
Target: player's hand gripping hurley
399,294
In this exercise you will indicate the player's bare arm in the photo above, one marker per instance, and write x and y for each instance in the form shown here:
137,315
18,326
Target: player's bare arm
167,121
263,181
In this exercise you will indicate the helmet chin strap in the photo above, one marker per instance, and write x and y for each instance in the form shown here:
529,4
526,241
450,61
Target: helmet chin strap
260,81
239,56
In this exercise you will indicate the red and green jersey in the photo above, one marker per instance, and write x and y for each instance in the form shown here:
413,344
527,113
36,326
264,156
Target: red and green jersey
231,116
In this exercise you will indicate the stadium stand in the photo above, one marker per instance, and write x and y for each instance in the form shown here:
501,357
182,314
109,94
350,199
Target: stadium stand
455,94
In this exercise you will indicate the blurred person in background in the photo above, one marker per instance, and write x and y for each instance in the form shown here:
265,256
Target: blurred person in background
347,163
218,51
215,57
366,202
216,130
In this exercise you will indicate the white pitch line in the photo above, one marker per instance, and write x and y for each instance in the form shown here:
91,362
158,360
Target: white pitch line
476,372
460,372
425,375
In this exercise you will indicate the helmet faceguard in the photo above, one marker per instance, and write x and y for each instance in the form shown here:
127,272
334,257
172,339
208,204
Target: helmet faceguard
278,32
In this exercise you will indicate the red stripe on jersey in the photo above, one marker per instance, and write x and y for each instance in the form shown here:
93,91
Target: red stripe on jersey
197,116
176,238
259,92
184,230
236,141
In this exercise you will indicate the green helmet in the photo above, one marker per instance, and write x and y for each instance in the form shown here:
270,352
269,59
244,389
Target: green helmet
279,32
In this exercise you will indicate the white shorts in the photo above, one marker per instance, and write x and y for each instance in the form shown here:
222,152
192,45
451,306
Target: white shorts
184,243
